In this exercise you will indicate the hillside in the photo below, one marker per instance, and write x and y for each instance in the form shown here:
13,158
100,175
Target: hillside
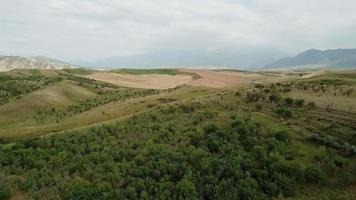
38,62
286,136
313,58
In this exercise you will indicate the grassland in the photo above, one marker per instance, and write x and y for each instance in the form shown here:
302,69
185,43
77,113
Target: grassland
280,136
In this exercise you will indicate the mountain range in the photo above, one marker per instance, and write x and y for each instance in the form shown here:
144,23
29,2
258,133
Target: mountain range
221,58
314,58
250,59
36,62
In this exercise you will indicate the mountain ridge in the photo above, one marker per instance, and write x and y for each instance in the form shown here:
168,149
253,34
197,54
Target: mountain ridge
330,58
36,62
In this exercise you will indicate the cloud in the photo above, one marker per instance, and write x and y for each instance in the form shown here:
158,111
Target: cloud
82,29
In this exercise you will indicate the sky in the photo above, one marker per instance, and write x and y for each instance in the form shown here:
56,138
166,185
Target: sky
97,29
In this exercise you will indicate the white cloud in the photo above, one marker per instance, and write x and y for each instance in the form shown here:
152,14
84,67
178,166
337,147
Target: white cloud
79,29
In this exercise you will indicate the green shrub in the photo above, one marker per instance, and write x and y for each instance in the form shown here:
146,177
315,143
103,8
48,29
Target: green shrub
5,192
288,101
258,106
311,104
299,102
284,112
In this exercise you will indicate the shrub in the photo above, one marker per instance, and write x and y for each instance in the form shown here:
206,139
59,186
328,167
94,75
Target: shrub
283,136
274,98
258,106
210,128
314,174
5,192
253,96
311,104
284,112
299,102
288,101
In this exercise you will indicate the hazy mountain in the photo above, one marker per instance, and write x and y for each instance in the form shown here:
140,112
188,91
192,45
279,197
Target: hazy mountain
340,58
38,62
191,58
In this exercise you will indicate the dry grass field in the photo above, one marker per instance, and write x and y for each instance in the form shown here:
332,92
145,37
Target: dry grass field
148,81
192,77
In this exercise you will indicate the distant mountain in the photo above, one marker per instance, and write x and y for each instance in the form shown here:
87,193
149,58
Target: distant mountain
38,62
233,58
313,58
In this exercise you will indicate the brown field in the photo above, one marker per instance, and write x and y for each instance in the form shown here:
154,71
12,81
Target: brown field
207,78
217,79
148,81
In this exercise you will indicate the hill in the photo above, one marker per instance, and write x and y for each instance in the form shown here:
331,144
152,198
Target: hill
287,136
38,62
314,58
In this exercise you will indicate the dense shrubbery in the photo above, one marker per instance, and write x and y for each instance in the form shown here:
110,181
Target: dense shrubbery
181,151
284,112
177,152
334,143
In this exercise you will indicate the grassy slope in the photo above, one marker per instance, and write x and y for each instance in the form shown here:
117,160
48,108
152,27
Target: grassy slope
20,112
17,116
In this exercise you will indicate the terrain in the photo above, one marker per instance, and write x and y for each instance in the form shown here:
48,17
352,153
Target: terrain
177,134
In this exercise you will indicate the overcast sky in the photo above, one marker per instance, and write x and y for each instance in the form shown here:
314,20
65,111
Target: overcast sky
90,29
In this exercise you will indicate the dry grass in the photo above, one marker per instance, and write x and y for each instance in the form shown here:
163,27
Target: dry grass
218,79
148,81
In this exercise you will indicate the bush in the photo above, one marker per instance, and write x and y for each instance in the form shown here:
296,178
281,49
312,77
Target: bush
311,104
314,174
299,102
288,101
284,112
5,192
258,106
283,136
253,96
274,98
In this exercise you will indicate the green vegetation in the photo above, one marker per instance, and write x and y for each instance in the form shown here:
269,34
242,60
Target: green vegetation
14,86
146,71
110,142
78,71
154,71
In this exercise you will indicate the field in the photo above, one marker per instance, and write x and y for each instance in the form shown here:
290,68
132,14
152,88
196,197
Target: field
177,134
169,78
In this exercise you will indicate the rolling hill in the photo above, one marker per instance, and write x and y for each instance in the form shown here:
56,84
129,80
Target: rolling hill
38,62
314,58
